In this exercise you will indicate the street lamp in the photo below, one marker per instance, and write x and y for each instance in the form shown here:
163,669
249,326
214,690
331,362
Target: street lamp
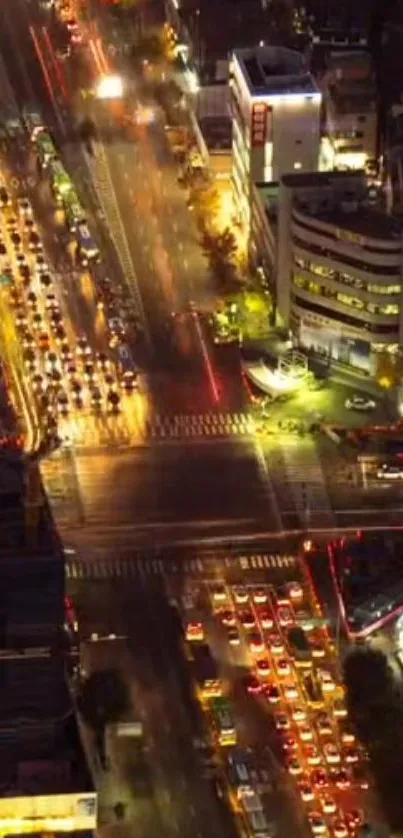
109,87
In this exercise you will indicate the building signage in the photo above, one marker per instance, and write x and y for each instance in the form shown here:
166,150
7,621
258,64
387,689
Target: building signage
348,236
261,113
48,813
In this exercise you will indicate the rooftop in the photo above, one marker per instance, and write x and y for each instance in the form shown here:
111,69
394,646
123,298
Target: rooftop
275,70
357,218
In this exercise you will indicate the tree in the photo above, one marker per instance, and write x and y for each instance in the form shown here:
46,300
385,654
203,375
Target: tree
375,710
103,699
207,203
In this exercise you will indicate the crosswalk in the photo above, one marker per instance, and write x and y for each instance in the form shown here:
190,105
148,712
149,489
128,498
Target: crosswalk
185,425
306,479
134,566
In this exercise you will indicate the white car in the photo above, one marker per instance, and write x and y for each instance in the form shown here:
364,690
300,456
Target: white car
332,755
240,595
328,805
389,472
357,402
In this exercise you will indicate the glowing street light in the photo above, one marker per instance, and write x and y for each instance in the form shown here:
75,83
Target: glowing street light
110,87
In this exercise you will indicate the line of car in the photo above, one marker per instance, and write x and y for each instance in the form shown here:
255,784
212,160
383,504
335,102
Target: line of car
306,702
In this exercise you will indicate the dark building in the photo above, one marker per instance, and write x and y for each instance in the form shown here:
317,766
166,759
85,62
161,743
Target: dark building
44,779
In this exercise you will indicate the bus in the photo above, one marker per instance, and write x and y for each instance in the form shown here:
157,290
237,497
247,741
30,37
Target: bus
257,824
33,123
73,210
86,247
239,771
299,647
45,147
223,722
61,182
205,671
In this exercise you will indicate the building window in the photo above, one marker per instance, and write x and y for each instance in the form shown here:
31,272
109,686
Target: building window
380,329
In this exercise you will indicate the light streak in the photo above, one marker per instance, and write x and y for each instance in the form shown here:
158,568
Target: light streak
94,51
101,52
47,78
209,368
58,70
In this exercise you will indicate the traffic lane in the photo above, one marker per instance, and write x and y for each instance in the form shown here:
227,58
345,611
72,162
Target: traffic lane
131,776
200,803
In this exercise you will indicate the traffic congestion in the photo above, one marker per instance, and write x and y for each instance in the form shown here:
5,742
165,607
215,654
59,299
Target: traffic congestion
277,638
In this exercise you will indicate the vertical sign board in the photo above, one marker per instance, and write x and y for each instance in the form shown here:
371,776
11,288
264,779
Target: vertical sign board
261,113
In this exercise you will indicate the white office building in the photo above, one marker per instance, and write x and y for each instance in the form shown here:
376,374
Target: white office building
275,107
339,269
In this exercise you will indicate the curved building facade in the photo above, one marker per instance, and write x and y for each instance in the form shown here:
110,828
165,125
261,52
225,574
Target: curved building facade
339,270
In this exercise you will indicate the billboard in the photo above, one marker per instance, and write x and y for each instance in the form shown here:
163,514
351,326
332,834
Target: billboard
260,128
329,342
48,813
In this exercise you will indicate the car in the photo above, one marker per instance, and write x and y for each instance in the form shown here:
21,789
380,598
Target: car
339,709
37,322
76,385
312,755
272,693
294,767
331,753
320,778
283,667
353,819
55,376
324,725
316,823
3,249
78,401
90,375
306,792
51,360
96,397
350,755
359,776
28,340
51,302
129,380
38,382
266,618
84,349
259,596
103,361
71,371
11,222
263,667
24,207
285,617
227,617
291,692
327,683
252,684
328,805
241,595
16,240
35,242
317,651
347,737
60,334
389,471
294,591
247,619
15,298
305,733
21,319
233,636
276,644
339,827
304,620
5,200
299,714
55,317
30,359
66,353
341,779
289,743
357,402
282,721
45,279
43,341
32,299
256,643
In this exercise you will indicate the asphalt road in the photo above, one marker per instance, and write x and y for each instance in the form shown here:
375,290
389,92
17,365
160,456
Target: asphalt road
177,798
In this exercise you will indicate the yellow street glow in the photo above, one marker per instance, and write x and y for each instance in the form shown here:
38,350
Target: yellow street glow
110,87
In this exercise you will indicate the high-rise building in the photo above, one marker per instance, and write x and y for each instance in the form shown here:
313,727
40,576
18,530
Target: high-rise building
45,786
275,106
